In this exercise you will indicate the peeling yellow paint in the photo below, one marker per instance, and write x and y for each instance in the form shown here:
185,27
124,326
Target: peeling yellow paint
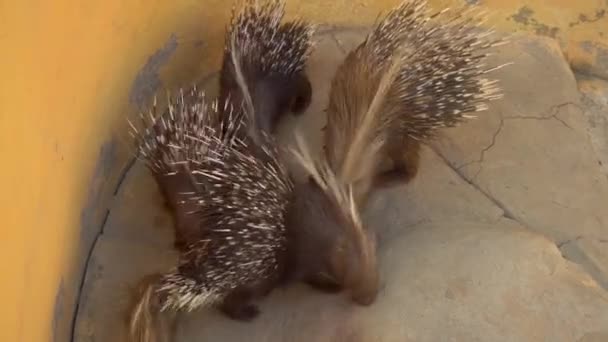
67,69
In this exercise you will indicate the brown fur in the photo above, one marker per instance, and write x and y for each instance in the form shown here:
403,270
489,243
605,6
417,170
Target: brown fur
263,66
356,139
403,155
333,250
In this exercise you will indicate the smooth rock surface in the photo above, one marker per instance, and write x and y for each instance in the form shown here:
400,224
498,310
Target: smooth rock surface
469,250
445,281
531,152
594,93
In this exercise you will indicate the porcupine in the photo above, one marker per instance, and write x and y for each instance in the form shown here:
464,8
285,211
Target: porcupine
237,249
433,68
273,69
408,78
272,56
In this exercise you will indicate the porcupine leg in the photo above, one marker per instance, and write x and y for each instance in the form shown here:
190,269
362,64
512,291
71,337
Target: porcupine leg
405,157
237,305
303,94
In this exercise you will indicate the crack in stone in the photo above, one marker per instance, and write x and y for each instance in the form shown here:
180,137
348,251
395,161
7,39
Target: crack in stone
482,154
506,212
565,242
554,110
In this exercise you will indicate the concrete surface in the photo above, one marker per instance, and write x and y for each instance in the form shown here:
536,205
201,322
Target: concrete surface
503,236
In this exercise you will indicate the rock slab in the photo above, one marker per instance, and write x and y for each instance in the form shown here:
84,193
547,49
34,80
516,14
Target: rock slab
471,250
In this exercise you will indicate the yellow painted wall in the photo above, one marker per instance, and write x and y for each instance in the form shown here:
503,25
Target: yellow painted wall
67,70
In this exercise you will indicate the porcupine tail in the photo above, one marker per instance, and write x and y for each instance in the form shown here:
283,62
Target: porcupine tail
147,321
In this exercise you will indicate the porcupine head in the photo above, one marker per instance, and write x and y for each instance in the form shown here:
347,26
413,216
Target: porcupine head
272,56
331,247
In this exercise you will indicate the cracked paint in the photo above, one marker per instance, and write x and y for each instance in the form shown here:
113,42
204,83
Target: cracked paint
525,16
583,18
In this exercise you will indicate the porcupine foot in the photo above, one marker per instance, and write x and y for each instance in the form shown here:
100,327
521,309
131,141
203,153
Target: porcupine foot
323,283
240,312
405,156
398,175
237,306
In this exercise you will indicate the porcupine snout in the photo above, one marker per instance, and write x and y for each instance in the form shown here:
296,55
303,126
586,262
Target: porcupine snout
364,280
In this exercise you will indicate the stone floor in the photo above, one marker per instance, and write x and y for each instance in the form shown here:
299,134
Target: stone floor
503,236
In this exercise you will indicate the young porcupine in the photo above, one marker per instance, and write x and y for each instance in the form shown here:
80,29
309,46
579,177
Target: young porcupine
409,77
236,243
272,56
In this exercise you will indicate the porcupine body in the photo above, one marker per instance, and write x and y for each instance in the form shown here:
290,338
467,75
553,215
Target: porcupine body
267,75
157,138
410,76
438,80
272,56
236,246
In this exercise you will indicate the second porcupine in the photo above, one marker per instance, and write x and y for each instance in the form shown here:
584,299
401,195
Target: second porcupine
236,247
272,56
409,77
435,78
